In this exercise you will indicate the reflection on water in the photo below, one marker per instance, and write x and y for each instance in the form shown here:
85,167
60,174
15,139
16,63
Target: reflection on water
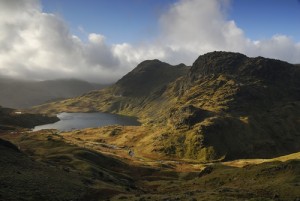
72,121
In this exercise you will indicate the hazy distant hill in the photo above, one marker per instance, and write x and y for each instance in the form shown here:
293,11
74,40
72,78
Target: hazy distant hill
23,94
225,106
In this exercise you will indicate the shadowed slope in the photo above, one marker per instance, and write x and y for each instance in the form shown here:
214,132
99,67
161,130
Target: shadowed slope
22,178
57,170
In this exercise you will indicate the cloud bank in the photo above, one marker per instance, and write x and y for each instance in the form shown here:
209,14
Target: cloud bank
38,45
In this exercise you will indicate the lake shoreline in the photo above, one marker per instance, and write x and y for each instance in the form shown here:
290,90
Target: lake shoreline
72,121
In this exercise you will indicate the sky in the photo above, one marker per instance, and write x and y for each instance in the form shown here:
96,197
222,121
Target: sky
102,40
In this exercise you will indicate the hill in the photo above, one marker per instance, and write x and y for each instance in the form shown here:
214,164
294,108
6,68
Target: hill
24,94
226,106
11,119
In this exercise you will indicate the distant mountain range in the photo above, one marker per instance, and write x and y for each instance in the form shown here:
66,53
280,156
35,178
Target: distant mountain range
24,94
225,106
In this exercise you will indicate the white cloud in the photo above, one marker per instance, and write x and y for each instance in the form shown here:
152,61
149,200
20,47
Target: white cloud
193,27
37,45
280,47
200,26
96,38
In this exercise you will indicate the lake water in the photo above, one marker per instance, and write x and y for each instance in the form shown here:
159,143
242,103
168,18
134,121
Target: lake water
73,121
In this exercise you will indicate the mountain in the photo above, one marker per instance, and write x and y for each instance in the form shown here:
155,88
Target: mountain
24,94
147,78
225,106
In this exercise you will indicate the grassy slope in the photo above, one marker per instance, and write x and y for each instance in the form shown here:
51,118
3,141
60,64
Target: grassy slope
70,171
69,166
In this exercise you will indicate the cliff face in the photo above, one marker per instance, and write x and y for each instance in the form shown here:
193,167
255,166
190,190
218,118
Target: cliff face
225,106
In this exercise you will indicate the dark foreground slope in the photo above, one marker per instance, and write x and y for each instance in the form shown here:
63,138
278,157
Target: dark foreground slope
226,106
52,166
47,168
22,178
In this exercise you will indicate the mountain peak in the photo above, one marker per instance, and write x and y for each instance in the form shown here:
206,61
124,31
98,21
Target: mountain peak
147,77
236,64
149,64
217,62
220,56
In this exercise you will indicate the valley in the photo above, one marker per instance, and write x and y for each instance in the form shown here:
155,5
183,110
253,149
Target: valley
225,128
226,106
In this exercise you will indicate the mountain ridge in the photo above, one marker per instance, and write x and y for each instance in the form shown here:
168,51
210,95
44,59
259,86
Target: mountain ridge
226,106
